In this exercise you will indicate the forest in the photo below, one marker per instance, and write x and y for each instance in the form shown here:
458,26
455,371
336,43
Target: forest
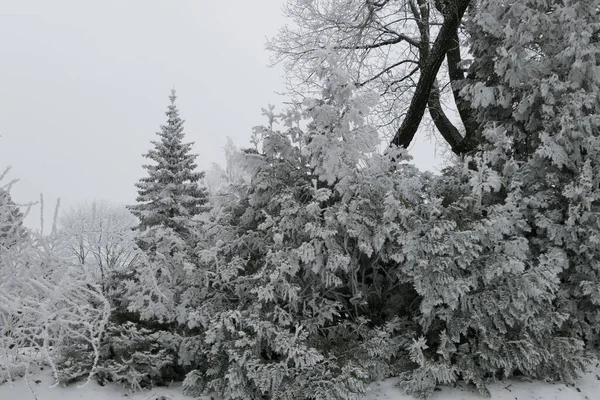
320,259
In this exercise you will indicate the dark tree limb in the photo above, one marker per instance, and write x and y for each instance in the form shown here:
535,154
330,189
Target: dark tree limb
453,11
443,124
457,77
385,70
400,38
448,131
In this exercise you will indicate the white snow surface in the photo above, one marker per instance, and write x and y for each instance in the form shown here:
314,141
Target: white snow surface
587,388
41,386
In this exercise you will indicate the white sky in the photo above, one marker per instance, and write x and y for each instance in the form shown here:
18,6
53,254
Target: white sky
84,86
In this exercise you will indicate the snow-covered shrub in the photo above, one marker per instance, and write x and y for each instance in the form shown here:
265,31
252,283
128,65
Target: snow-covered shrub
522,297
45,306
297,295
536,90
336,247
138,357
486,301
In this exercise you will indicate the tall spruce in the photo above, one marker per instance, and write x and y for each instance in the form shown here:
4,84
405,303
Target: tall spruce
170,196
169,199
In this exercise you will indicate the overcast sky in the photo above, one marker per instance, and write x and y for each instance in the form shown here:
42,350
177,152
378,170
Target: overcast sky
84,86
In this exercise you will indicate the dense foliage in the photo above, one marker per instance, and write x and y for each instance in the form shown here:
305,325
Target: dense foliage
537,94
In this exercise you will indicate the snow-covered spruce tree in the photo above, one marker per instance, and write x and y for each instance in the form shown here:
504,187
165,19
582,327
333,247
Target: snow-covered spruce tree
536,88
171,195
11,218
170,198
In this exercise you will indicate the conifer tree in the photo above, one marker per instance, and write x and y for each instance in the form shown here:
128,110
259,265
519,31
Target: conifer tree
11,220
169,199
170,196
11,217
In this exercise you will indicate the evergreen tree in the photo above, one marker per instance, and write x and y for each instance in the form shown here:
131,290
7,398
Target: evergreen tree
11,220
170,199
170,196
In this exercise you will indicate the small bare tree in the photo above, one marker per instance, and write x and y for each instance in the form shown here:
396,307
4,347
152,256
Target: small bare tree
100,238
45,306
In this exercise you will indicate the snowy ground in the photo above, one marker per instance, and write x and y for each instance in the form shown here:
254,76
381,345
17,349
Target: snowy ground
588,388
42,390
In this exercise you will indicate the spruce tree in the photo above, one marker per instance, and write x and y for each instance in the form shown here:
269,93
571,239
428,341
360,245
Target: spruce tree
169,199
11,220
170,196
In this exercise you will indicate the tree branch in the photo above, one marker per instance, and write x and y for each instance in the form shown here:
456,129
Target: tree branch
457,76
401,38
385,70
453,13
448,131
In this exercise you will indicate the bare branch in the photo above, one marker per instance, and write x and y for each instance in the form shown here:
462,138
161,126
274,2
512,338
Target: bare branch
457,76
400,38
387,70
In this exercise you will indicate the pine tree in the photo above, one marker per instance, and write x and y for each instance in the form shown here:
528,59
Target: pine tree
170,196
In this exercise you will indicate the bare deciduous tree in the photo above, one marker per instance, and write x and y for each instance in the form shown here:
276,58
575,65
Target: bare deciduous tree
408,51
100,237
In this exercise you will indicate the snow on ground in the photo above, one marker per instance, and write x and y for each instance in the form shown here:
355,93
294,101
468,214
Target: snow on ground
42,390
587,388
